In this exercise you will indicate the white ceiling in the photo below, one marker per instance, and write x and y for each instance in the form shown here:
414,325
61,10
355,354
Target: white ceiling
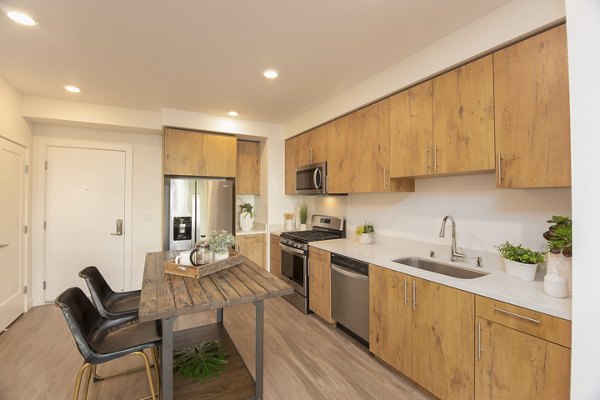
207,56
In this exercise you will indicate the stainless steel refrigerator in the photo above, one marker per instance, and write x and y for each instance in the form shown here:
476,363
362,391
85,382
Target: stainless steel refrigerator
195,207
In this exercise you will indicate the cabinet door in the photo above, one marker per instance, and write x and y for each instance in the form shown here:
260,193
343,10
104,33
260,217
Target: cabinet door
319,283
253,247
303,149
275,258
463,119
369,148
182,152
531,91
411,132
317,143
443,341
219,154
248,168
291,162
513,365
390,318
338,163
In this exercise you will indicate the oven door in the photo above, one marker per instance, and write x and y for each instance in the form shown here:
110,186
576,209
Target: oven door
294,268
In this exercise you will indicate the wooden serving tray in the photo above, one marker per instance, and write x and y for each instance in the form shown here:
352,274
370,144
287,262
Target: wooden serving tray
171,267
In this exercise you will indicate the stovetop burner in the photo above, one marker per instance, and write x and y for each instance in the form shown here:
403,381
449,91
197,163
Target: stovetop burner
310,236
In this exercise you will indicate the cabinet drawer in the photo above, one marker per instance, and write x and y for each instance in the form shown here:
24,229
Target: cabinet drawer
318,254
251,238
552,329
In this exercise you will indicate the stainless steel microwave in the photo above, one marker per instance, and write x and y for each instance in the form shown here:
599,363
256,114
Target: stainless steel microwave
310,179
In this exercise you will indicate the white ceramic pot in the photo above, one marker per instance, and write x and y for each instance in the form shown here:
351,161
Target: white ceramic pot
565,270
555,286
246,221
220,256
552,263
365,238
525,272
303,227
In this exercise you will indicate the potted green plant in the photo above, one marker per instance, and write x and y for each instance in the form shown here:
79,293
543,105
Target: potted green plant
560,247
303,214
520,262
365,233
246,216
219,243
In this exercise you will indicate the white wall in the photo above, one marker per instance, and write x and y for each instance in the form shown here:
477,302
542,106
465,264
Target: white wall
485,216
14,128
147,184
583,31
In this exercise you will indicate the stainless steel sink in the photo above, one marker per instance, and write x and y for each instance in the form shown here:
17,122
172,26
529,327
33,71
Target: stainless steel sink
440,268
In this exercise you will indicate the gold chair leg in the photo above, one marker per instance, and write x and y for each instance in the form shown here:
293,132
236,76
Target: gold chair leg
78,380
148,372
156,356
91,372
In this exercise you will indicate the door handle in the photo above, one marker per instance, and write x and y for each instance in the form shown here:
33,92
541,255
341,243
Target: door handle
3,245
119,231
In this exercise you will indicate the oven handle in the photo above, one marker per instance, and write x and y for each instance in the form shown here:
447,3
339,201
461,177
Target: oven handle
291,250
348,273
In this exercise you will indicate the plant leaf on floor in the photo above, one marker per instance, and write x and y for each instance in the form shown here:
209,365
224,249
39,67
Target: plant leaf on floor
202,362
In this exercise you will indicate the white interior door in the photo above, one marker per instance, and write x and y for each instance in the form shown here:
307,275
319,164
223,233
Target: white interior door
12,270
85,196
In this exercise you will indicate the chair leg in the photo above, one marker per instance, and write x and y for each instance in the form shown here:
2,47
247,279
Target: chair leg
82,369
148,372
91,372
98,378
156,357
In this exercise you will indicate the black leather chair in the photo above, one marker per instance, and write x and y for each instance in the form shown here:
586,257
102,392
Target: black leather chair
100,339
110,304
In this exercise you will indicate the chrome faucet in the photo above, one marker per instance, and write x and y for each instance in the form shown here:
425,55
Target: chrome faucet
455,252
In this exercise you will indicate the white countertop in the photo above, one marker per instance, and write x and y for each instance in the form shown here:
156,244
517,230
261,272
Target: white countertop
497,285
257,228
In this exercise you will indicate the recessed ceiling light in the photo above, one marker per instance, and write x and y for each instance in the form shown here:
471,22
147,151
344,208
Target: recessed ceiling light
21,18
270,74
233,113
72,89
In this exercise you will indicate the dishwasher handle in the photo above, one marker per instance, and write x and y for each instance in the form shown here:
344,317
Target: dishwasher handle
348,273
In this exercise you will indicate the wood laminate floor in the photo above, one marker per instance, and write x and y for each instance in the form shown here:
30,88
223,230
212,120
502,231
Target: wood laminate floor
304,359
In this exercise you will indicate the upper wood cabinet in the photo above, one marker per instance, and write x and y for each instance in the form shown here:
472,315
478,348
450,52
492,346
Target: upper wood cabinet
368,149
423,329
312,146
338,162
248,168
319,284
512,339
531,90
183,152
463,119
291,163
199,154
411,131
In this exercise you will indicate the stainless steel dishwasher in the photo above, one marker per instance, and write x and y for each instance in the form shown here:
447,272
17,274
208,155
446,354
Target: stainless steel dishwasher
350,296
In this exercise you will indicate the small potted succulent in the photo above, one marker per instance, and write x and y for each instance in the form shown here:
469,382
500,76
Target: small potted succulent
365,233
246,216
219,243
520,262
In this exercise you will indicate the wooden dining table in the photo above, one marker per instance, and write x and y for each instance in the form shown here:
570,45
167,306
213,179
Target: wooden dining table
165,297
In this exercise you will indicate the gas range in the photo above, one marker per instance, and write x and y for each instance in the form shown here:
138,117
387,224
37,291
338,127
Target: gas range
294,255
300,239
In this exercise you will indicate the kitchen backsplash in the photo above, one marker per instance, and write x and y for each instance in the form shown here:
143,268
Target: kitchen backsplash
485,216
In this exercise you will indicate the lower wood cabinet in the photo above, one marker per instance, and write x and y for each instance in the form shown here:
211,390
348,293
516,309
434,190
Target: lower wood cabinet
423,329
520,354
275,259
319,283
252,246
